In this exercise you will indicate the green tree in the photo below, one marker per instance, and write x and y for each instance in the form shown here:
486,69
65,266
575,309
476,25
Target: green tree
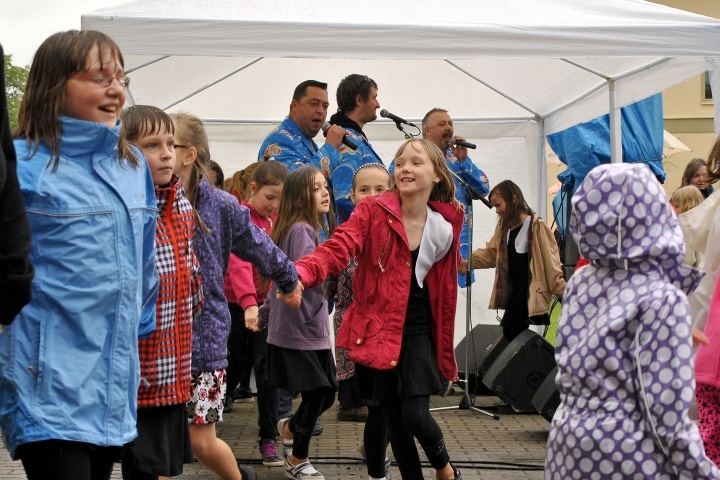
15,80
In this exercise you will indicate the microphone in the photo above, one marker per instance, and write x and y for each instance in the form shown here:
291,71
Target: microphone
345,140
385,114
463,143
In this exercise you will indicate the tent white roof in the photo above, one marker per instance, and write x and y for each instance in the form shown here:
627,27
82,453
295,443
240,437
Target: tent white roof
543,64
509,72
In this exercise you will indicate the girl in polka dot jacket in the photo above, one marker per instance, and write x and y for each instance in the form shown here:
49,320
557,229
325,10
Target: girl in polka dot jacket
624,348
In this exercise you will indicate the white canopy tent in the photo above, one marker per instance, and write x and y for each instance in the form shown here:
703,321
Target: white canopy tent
509,72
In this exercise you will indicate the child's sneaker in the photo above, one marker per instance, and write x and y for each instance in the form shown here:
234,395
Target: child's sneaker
287,444
244,395
302,471
270,455
247,472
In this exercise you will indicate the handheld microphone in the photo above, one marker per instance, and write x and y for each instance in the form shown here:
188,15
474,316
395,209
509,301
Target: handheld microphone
345,140
385,114
463,143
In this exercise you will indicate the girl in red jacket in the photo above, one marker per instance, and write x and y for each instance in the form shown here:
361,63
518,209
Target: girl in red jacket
163,442
399,328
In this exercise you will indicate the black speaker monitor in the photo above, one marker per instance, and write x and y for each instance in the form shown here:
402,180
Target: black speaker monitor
547,398
520,369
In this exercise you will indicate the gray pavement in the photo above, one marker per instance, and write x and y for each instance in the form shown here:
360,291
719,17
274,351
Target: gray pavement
479,445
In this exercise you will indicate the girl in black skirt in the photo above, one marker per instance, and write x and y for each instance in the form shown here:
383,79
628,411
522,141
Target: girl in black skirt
299,355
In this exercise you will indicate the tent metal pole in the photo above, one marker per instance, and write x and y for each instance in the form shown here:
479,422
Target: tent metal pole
504,95
602,85
542,191
145,64
615,125
214,82
239,121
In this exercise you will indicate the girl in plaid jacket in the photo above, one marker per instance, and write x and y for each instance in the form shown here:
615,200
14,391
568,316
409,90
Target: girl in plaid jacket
163,442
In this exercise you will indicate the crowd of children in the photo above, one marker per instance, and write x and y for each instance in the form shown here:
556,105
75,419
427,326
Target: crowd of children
147,274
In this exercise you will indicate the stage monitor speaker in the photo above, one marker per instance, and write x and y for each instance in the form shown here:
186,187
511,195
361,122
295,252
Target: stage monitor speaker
482,338
547,398
492,353
520,369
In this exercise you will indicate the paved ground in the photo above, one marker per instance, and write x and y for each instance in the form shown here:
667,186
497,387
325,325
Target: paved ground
484,448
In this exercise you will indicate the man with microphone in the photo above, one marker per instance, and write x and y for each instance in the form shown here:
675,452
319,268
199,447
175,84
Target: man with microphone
357,105
292,142
437,126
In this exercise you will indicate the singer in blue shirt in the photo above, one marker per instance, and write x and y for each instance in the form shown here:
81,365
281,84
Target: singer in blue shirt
437,126
357,106
292,142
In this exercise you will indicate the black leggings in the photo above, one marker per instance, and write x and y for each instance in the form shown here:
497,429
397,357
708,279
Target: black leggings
66,460
409,418
302,424
375,439
267,396
240,351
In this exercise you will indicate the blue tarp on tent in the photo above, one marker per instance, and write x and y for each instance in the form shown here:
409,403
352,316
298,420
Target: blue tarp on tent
587,145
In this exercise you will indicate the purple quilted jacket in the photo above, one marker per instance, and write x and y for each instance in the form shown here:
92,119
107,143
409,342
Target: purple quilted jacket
231,230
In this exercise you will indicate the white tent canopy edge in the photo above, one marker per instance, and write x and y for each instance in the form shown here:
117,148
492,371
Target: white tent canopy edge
509,76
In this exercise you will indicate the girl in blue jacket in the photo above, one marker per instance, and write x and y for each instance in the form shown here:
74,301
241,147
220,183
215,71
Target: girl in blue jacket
299,355
69,369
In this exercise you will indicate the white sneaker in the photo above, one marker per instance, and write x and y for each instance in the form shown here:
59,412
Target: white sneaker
287,444
302,471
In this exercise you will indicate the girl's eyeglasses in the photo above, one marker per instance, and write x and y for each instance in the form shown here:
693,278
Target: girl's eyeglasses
102,78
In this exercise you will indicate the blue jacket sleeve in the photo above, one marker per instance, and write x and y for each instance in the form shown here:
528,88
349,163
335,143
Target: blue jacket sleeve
150,281
253,245
475,177
294,155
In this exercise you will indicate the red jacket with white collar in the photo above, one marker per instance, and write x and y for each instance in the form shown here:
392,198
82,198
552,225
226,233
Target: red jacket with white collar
373,325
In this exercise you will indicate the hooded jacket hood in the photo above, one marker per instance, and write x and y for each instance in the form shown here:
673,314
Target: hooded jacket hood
621,216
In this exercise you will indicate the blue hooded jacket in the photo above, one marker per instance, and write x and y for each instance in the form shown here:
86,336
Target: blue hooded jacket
69,366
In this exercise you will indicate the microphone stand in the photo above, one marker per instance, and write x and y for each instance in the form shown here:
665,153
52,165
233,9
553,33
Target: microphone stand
465,402
408,136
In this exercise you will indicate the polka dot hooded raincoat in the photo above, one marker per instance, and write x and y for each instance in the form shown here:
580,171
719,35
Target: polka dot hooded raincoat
624,347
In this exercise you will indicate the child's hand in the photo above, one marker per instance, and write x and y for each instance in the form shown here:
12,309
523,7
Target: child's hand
463,267
251,318
699,337
293,298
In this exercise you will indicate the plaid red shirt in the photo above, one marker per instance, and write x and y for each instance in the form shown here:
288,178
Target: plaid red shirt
165,355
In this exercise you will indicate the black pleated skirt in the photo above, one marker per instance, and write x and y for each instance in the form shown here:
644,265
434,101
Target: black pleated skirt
301,370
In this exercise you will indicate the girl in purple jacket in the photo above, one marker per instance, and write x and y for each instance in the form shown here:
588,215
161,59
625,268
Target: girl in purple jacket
299,355
223,226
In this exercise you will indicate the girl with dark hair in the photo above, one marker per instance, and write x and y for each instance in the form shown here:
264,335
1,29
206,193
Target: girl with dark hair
246,292
69,369
299,355
696,174
525,256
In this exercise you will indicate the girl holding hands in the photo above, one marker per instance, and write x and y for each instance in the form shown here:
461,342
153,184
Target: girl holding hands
299,355
222,227
399,328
